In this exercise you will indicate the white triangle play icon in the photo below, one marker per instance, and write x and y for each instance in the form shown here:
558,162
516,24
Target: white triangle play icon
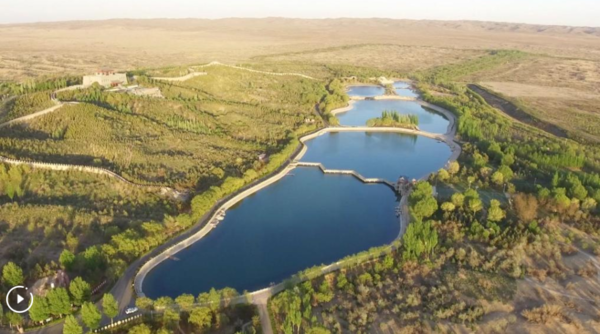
20,299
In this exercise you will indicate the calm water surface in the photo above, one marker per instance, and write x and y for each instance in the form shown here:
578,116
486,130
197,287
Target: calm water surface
405,89
362,111
378,155
308,218
305,219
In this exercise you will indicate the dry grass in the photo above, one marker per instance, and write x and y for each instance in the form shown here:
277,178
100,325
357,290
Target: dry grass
563,92
75,47
400,58
543,314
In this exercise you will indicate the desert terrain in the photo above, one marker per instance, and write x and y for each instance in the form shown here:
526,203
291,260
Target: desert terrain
32,50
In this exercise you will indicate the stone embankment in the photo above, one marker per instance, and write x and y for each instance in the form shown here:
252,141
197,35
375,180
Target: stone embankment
165,191
383,97
343,172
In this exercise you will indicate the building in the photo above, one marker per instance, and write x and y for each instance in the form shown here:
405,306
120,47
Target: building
105,77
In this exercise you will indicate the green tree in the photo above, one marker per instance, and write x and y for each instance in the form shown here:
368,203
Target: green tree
578,191
420,239
67,259
71,326
59,302
90,315
443,175
12,274
80,290
40,310
185,301
140,329
495,213
475,205
163,302
555,180
201,317
498,178
458,199
421,200
144,303
110,306
170,316
214,299
448,206
453,168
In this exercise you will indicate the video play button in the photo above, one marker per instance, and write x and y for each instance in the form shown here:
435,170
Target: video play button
18,299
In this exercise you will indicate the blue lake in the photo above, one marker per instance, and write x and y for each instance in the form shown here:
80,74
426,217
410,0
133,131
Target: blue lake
309,218
405,89
377,154
362,111
303,220
366,91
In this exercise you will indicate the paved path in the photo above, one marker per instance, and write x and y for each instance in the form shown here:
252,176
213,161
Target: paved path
216,63
181,78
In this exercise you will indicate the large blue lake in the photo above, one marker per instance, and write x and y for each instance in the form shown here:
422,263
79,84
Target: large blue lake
308,218
305,219
362,111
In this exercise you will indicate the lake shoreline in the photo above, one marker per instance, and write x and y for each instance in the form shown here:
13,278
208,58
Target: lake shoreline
291,164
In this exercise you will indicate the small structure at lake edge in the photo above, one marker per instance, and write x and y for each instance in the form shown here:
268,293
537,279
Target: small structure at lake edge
105,77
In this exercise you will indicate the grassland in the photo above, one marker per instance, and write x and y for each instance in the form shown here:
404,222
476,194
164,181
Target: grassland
77,47
562,92
206,129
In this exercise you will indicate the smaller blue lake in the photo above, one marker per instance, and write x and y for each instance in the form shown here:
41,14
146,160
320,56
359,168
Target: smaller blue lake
405,89
365,91
377,154
362,111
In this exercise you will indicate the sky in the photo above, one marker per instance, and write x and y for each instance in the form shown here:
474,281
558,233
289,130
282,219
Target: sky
552,12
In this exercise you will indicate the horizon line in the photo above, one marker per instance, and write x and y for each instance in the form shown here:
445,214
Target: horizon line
294,18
